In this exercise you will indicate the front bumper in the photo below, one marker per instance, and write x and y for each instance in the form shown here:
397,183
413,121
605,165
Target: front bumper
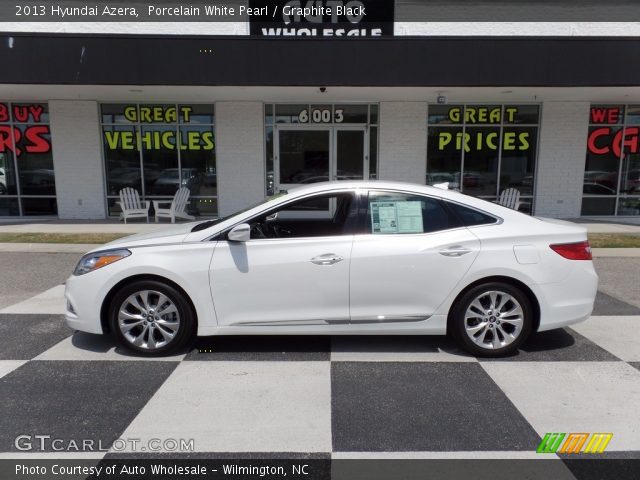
83,303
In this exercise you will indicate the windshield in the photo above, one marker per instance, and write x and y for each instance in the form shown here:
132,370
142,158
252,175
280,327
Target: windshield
211,223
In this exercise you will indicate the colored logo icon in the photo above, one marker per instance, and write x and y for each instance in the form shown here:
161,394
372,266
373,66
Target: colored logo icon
574,443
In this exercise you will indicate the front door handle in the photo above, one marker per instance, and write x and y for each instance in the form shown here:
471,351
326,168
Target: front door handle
456,251
327,259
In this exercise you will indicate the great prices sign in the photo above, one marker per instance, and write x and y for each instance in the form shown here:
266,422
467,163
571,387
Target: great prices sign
607,137
22,129
479,139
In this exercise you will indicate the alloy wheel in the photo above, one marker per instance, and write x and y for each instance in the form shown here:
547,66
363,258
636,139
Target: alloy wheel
148,319
494,319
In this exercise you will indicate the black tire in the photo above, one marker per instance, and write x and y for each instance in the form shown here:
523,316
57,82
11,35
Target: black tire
183,333
457,323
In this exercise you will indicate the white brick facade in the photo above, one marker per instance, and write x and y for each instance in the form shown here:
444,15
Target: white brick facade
561,159
403,141
77,159
239,155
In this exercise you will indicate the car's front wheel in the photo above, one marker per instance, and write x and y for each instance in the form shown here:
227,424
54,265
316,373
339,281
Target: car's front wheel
492,319
151,318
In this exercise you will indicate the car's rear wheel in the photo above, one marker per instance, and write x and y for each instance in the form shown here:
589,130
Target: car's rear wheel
151,318
492,319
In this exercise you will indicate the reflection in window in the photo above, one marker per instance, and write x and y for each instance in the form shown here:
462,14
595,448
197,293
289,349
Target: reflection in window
122,158
481,159
443,146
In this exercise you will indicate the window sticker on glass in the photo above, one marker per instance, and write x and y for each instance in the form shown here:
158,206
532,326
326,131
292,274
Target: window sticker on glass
396,217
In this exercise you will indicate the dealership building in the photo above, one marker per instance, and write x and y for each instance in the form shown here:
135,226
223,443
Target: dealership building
236,111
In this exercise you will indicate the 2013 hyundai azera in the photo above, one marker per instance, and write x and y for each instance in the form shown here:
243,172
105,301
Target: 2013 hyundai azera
350,257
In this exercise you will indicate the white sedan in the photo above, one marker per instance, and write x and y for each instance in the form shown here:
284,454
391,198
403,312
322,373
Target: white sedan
352,257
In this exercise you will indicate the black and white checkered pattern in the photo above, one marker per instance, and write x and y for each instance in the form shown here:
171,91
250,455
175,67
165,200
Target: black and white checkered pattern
338,397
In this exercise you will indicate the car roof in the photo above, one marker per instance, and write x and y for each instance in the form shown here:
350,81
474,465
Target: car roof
452,195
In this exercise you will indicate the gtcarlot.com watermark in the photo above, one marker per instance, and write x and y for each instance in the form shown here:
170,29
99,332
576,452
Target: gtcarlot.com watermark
48,443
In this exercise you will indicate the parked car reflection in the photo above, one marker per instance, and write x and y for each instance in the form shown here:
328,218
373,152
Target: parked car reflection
168,182
39,181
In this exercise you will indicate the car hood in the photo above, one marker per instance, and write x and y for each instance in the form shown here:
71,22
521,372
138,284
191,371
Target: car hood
162,236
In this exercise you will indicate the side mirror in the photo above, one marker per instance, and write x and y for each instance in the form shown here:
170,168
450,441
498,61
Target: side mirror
240,233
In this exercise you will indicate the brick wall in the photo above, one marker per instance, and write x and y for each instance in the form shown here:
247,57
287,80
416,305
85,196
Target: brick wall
561,159
403,141
77,159
239,155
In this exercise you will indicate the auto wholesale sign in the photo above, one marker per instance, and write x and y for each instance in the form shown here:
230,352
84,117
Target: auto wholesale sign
322,18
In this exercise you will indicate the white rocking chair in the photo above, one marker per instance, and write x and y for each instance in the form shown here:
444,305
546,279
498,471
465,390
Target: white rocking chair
177,207
510,198
132,206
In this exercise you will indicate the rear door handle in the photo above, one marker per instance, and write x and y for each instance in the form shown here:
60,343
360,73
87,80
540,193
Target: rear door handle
327,259
456,251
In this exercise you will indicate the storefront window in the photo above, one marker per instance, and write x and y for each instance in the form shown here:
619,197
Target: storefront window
159,148
612,170
27,181
483,149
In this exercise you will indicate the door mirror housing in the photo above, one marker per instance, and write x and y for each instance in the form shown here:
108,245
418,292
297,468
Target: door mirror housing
240,233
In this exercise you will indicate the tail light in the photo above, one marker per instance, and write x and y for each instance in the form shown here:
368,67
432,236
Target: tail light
573,251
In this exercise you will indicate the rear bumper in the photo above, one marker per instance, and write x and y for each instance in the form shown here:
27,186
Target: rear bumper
570,301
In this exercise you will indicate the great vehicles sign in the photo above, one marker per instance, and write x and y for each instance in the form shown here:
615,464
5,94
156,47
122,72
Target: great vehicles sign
322,18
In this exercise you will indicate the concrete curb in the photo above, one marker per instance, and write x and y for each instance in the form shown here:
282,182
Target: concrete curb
616,252
85,247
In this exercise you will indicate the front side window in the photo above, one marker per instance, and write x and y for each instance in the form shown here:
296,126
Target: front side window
317,216
403,213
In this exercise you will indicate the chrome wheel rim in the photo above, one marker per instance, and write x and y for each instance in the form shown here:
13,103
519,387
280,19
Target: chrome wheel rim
148,319
493,320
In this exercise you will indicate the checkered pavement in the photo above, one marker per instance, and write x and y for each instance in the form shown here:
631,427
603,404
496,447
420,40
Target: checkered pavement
338,397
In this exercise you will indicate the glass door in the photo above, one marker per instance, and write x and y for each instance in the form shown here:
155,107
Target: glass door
311,154
303,155
350,155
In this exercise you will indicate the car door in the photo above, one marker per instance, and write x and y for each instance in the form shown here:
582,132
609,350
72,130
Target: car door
295,268
412,254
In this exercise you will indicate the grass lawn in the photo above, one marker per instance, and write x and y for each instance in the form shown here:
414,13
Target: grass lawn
614,240
60,237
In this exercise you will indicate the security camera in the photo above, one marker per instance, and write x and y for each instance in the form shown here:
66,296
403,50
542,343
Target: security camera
323,89
442,99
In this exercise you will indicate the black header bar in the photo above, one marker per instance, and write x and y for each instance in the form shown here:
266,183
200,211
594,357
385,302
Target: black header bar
386,61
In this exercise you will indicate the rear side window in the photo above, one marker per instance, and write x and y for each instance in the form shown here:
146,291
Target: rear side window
399,213
469,216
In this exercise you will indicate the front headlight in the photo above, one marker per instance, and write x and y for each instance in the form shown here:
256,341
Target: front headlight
96,260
